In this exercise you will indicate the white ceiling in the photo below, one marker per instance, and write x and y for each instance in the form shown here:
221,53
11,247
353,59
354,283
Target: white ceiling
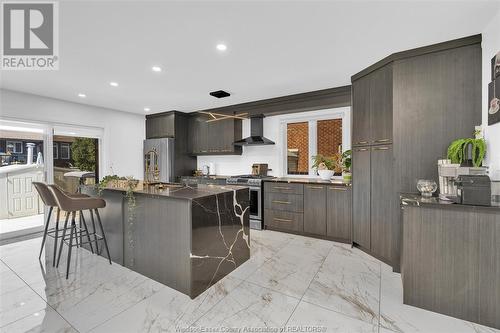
274,48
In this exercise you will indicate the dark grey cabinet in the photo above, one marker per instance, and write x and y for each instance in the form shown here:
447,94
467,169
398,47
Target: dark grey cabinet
214,138
160,125
361,131
338,213
381,105
361,182
314,209
384,205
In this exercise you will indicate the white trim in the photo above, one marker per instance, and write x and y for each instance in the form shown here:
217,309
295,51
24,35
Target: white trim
312,118
56,146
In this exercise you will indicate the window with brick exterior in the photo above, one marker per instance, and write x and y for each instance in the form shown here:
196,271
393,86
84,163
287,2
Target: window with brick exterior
297,135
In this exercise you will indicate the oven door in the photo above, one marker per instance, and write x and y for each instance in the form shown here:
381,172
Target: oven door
255,203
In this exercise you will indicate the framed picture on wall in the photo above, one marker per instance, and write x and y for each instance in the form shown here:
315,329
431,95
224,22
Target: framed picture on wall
495,66
493,102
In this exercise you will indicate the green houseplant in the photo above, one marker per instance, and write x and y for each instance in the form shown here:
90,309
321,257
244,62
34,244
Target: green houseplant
327,166
467,152
346,165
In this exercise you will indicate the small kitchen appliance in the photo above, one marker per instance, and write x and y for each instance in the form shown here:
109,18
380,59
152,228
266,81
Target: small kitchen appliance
448,174
474,190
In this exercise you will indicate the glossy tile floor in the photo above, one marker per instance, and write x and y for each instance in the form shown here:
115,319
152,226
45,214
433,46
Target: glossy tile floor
290,281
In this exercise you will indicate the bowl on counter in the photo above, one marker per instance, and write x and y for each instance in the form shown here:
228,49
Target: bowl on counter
326,174
426,187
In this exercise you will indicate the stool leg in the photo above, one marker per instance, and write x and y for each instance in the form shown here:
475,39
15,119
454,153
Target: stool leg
62,238
95,231
82,220
103,235
55,236
45,231
73,230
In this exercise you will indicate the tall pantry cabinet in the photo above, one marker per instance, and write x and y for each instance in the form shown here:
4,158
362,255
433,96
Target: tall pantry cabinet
406,110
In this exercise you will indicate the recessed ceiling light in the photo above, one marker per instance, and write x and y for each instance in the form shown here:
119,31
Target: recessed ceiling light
147,109
82,95
221,47
156,69
113,84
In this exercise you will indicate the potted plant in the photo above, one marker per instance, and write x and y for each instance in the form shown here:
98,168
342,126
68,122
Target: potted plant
325,166
467,152
346,165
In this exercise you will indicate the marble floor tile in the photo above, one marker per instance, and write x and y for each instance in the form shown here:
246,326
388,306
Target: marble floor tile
398,317
43,321
168,310
249,306
309,316
291,270
9,281
349,286
19,303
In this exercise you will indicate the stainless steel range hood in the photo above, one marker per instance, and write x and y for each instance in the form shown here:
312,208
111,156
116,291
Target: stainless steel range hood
256,137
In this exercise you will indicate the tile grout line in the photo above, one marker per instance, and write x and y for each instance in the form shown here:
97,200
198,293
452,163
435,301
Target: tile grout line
310,282
379,296
50,306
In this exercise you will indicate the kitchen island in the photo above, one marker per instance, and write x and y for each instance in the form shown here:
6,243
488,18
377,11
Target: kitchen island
186,237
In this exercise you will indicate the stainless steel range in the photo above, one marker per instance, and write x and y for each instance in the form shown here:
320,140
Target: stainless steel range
254,183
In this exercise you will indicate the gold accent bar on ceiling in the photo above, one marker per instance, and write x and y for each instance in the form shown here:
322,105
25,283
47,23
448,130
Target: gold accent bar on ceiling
219,116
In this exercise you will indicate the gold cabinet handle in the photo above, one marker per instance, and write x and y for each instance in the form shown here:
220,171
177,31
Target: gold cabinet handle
282,188
333,188
381,148
382,140
362,149
281,202
282,220
316,187
362,142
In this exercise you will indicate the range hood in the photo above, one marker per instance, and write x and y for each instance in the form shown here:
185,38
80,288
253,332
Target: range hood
256,137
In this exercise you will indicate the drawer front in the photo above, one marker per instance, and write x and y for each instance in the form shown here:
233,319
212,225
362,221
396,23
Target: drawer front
284,220
276,187
283,201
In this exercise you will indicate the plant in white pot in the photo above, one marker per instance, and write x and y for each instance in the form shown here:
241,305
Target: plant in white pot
325,166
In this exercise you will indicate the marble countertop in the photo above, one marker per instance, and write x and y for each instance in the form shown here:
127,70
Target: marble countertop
188,192
336,182
415,199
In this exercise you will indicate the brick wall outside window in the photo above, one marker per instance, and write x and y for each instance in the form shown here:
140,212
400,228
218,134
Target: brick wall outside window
329,136
298,138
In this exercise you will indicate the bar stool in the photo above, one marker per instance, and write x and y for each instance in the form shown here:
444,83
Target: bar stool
49,201
71,205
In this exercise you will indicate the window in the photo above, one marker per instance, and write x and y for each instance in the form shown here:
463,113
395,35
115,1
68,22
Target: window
65,151
320,132
15,147
55,151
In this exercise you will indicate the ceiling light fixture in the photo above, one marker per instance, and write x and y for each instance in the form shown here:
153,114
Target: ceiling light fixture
82,95
221,47
156,69
147,109
113,84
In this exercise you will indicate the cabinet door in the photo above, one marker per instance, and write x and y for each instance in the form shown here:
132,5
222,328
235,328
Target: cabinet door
160,126
361,134
384,206
338,212
198,130
381,105
361,196
315,209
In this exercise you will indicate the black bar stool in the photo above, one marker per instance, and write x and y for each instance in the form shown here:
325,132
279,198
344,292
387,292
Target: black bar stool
73,205
49,201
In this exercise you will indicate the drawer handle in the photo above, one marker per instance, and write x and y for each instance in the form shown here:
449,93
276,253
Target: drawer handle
316,187
282,188
362,149
282,220
337,188
381,148
382,140
362,142
281,202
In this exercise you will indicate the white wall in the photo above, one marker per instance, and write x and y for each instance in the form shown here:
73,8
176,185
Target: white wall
490,45
271,154
123,132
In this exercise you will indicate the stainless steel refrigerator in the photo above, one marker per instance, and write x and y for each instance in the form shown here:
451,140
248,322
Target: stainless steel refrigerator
159,156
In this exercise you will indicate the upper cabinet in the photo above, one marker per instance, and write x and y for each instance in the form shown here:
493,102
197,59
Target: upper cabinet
161,125
213,138
372,105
